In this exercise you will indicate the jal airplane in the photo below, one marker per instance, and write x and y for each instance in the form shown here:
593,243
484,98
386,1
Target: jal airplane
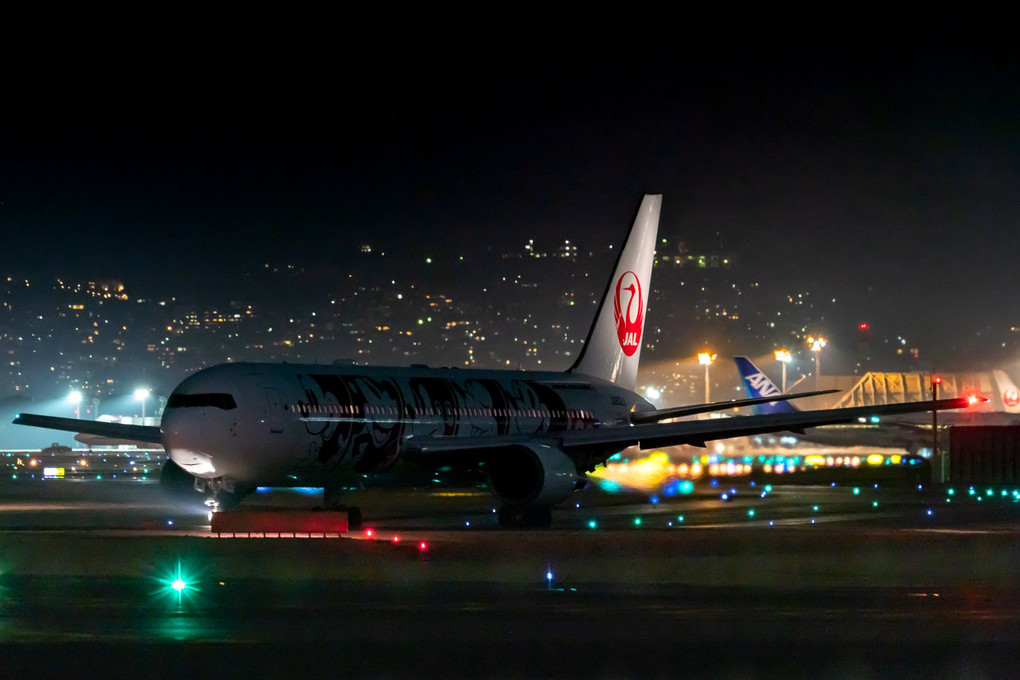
533,434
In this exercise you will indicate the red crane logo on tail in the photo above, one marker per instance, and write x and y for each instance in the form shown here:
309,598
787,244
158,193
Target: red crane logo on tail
1010,397
629,309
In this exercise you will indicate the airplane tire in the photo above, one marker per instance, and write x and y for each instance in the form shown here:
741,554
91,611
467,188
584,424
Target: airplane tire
332,496
353,518
231,499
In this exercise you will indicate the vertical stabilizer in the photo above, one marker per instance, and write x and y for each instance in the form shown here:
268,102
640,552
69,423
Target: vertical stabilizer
613,347
1008,392
757,384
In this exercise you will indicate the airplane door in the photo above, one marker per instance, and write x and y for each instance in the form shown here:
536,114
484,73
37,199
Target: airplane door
274,411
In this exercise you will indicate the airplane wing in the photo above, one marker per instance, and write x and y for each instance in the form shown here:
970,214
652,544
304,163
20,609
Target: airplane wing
651,435
681,411
696,433
91,440
135,433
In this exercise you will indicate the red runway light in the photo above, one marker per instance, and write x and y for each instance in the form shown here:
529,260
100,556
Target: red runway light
369,533
423,546
396,539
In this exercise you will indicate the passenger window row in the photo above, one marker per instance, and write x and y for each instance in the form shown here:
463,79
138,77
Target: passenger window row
393,411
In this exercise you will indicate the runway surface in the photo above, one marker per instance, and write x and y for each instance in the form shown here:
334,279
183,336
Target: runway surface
851,581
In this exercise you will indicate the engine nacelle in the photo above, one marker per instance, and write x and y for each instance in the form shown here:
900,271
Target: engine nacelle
532,474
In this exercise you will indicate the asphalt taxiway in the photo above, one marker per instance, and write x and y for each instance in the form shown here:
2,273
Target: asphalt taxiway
733,580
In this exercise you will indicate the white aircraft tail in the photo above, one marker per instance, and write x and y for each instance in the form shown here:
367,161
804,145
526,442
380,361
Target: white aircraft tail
613,347
1008,392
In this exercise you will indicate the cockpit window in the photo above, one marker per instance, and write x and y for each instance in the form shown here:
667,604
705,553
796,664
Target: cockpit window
223,401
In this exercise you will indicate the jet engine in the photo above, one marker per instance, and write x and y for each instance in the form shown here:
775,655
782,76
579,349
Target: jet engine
532,475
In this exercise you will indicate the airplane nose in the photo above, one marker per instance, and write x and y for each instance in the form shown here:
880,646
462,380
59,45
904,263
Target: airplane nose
183,440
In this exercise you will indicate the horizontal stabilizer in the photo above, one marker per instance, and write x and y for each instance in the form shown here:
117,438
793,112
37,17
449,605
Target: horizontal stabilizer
135,433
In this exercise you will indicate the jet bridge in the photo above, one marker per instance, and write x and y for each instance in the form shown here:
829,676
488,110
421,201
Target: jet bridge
898,388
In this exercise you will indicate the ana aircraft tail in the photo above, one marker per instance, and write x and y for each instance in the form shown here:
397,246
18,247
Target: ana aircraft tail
757,384
613,347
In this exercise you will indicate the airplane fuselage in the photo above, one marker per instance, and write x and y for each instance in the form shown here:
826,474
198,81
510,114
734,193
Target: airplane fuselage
301,424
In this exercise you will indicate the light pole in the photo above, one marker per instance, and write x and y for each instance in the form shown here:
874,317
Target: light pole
142,395
75,398
937,461
816,345
783,357
706,359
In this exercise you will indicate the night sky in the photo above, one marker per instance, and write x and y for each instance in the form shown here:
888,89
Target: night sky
877,157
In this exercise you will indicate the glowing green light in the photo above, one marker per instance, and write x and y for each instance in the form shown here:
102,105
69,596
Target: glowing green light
679,518
750,513
857,491
637,521
178,584
592,524
874,504
816,508
951,492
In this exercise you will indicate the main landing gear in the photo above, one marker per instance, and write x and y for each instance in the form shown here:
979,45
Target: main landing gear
223,494
331,496
525,516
